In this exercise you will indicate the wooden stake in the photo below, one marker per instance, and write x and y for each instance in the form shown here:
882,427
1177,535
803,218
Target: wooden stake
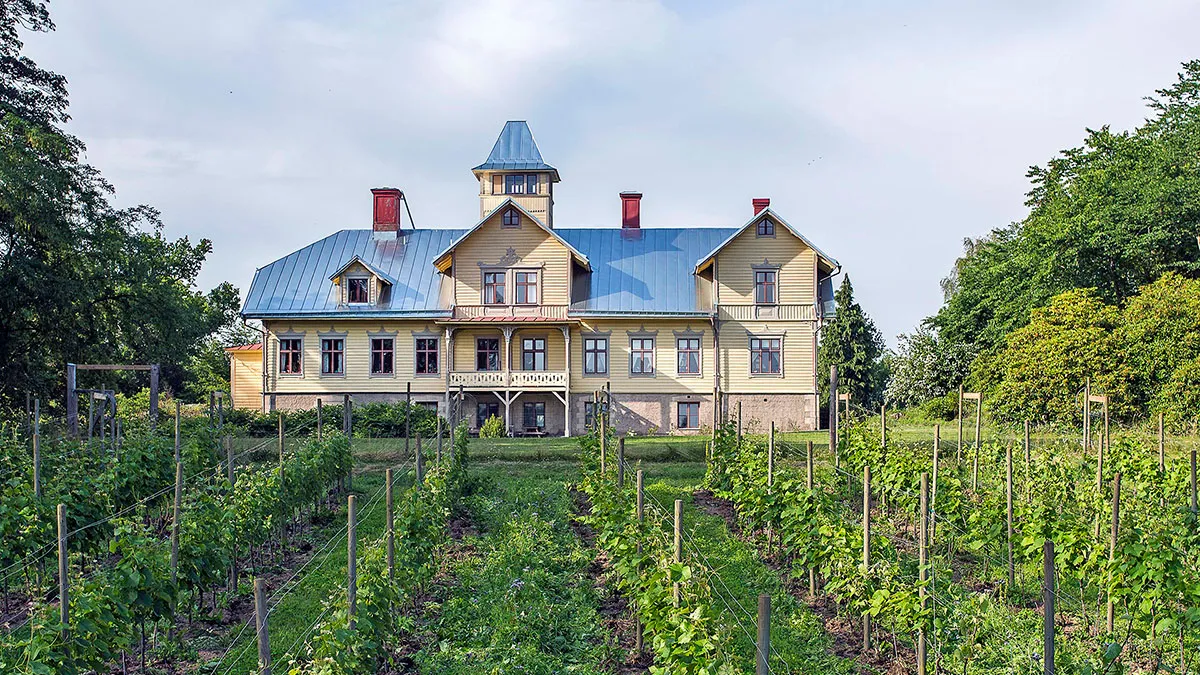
177,448
37,448
678,553
833,416
260,624
439,440
763,650
937,446
175,521
229,459
281,425
1048,602
640,508
883,425
1087,416
407,417
866,548
922,561
351,559
64,597
420,463
808,482
621,462
958,456
1193,480
1008,488
771,456
603,438
320,431
1112,544
391,526
739,422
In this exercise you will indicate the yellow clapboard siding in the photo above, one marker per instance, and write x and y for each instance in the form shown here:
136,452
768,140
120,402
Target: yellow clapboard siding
245,378
533,247
665,380
797,354
357,377
797,273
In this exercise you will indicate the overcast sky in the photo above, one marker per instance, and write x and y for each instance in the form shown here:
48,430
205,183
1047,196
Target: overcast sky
886,131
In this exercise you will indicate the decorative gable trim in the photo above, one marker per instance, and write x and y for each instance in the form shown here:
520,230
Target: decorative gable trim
704,262
443,259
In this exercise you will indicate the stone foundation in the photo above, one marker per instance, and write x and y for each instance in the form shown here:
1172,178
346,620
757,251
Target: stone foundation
789,412
308,401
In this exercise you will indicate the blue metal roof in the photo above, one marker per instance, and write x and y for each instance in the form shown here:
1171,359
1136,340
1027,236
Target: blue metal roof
298,284
647,271
515,149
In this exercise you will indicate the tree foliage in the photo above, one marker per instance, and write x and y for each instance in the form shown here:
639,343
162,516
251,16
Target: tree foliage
852,343
1112,215
83,281
926,366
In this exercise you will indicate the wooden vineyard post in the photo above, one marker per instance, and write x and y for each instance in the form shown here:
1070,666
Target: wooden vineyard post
228,441
958,456
281,430
883,425
407,419
391,526
64,596
603,437
439,440
978,398
1008,488
37,448
678,553
260,625
808,482
1162,456
175,521
866,549
937,448
739,422
1087,416
621,462
771,456
319,422
348,429
420,463
1193,480
716,411
833,416
1112,543
1027,486
763,649
351,559
640,506
1048,602
177,448
922,560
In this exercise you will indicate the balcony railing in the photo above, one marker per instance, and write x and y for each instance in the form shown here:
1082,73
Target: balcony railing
508,379
545,312
781,312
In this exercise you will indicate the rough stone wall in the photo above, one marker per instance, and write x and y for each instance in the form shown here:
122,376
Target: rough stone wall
790,412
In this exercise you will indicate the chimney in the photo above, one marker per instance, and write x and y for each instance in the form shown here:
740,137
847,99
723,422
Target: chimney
760,203
386,218
631,210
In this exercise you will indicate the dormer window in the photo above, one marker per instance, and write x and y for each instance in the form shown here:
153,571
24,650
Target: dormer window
521,184
357,291
766,228
511,218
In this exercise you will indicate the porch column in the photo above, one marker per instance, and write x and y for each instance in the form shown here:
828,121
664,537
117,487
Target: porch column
566,330
507,367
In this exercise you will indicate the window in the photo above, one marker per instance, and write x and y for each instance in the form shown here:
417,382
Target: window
333,356
484,411
427,356
383,356
595,356
764,356
526,288
431,406
766,228
487,353
535,415
688,351
289,356
511,218
641,356
493,288
356,291
589,414
689,416
533,354
521,184
765,287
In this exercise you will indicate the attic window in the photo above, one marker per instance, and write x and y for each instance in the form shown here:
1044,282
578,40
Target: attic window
521,184
357,291
766,228
511,218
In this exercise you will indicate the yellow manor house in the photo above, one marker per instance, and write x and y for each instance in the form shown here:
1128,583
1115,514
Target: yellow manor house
527,319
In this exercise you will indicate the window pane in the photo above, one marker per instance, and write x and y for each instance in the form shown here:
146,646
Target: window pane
531,184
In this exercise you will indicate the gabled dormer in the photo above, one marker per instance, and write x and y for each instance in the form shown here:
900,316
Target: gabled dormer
361,285
515,170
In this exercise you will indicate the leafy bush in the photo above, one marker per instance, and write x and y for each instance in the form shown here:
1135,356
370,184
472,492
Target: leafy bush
1179,399
493,427
942,408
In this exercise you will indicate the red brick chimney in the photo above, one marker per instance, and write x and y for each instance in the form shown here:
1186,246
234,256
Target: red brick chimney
387,210
631,210
760,203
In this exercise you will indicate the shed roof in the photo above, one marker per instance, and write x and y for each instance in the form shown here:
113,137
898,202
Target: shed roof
516,150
